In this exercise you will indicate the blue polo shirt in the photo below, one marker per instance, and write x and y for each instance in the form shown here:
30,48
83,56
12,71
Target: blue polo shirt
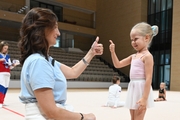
39,73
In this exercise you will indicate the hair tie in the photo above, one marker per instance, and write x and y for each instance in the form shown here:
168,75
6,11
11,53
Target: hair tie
154,30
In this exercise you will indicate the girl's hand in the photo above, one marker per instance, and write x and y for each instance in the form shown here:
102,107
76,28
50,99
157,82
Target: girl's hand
14,64
2,59
111,46
97,48
142,104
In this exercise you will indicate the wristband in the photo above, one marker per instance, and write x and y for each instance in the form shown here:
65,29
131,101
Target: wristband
82,116
85,62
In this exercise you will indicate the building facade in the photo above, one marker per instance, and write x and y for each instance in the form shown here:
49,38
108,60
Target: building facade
81,21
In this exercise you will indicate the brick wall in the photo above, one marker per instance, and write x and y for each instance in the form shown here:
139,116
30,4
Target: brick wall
175,58
115,20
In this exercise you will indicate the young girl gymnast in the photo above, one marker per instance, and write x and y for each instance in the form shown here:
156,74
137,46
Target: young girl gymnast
5,68
162,93
139,93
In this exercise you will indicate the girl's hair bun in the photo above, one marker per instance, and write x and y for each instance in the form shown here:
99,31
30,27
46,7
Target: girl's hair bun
154,30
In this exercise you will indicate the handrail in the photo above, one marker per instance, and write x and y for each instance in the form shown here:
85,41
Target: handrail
10,6
127,79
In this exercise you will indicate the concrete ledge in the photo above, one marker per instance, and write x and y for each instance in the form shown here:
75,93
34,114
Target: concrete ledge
14,84
76,84
80,84
75,50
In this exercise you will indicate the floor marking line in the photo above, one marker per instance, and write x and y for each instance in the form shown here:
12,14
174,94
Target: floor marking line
13,111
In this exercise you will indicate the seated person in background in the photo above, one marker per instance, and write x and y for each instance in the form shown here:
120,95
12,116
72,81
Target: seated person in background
114,94
162,93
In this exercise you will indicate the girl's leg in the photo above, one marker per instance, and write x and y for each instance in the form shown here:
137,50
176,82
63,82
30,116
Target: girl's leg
157,99
2,90
132,114
7,80
1,98
161,99
5,94
139,114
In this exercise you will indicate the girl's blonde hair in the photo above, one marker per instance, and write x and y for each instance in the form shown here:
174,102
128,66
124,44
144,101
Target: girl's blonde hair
146,29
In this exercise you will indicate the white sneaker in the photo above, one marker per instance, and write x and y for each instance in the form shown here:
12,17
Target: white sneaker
1,105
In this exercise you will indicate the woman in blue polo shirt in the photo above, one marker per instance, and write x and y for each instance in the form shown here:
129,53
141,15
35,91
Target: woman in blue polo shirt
43,80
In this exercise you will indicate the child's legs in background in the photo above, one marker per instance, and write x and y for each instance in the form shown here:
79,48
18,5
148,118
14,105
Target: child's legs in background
2,90
137,114
4,84
159,99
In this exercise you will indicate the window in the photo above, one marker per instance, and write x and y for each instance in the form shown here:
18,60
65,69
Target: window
56,9
160,14
57,42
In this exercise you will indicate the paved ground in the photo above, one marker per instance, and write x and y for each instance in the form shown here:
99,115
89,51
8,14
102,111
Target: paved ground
91,100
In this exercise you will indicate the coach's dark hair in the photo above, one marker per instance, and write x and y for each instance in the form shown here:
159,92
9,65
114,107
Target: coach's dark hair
115,79
32,32
2,44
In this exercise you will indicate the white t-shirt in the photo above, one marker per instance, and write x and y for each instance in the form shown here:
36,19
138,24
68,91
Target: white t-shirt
114,95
